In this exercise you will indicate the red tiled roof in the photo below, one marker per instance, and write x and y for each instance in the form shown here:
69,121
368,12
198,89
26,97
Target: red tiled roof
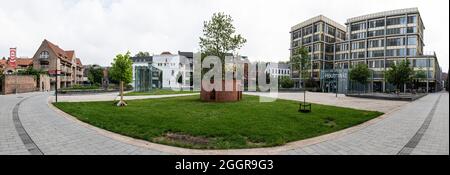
58,51
70,54
24,61
79,62
3,63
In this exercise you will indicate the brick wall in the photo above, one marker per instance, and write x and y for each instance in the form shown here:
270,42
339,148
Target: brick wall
23,84
223,96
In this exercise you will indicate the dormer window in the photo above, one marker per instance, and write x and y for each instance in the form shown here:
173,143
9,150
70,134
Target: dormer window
44,55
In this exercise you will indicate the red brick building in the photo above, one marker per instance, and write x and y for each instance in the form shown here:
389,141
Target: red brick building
50,57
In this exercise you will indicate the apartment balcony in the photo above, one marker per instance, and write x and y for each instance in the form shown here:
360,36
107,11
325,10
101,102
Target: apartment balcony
63,70
44,67
44,61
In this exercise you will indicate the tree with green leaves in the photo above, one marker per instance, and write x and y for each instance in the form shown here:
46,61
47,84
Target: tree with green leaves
419,75
95,74
360,73
219,38
142,54
399,74
122,71
301,61
286,82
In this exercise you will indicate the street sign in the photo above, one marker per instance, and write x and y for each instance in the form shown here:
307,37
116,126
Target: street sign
12,57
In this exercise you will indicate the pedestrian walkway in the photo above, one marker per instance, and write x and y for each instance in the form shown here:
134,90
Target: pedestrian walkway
341,100
390,135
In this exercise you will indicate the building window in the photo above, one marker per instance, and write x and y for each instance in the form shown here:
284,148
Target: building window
358,45
317,47
307,40
375,33
317,38
396,52
411,30
396,21
412,40
330,30
317,28
359,26
412,19
44,55
376,53
421,63
376,64
396,31
360,35
307,30
376,23
395,41
376,43
412,52
329,48
356,55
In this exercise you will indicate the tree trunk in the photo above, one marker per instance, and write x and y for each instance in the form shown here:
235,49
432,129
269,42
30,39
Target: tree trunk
121,102
304,93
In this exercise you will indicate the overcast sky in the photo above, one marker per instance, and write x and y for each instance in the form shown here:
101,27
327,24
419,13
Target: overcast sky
99,29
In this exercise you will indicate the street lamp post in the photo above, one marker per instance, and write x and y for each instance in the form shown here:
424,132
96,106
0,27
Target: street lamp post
56,81
337,84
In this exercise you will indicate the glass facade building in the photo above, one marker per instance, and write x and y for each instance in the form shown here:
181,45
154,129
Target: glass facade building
381,40
147,78
318,35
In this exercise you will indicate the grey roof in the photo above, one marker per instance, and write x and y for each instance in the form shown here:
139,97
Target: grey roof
279,65
317,19
186,54
385,13
142,59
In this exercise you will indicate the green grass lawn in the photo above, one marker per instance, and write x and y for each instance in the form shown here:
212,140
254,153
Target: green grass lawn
159,92
188,122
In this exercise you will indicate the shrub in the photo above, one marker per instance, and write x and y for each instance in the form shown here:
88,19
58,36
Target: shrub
286,82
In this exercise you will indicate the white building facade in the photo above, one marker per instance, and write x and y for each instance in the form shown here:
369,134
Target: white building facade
278,70
170,71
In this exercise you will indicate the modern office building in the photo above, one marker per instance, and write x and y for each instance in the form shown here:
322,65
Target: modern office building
318,35
378,40
166,70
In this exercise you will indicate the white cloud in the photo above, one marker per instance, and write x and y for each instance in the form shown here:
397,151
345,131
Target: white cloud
99,29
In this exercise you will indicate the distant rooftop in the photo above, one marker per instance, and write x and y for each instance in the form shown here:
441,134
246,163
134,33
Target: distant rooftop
385,13
317,19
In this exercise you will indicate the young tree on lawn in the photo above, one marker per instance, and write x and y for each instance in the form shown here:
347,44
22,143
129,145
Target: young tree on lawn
219,38
399,74
122,71
360,73
301,61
